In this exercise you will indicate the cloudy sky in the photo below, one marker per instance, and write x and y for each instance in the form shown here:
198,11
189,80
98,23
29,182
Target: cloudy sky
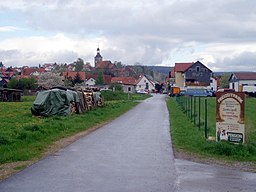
221,34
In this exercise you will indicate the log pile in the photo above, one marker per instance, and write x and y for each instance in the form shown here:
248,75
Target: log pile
89,99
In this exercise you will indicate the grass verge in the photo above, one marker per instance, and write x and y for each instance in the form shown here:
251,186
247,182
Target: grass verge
24,137
189,138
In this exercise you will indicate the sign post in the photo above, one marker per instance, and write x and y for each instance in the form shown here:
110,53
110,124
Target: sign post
230,124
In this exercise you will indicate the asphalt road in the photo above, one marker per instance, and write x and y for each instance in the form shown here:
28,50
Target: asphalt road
131,154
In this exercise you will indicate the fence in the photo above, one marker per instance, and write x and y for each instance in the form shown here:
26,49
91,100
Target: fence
196,109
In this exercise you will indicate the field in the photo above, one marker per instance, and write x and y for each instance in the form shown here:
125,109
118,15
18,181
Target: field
24,137
187,135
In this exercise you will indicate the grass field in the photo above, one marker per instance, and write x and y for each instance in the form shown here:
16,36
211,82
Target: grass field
24,137
186,134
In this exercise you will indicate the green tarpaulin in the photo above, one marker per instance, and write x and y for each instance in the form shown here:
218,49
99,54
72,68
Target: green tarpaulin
54,102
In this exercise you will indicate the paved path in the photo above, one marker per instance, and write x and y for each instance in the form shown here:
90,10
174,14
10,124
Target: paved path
131,154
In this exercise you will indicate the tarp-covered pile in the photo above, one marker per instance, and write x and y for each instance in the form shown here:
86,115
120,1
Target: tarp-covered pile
61,101
54,102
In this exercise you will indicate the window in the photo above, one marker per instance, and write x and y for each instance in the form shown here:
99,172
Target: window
146,85
197,68
190,70
129,89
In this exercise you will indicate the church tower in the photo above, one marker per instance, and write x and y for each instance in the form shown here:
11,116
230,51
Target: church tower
98,58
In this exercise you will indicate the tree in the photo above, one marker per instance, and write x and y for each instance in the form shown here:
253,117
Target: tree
50,80
23,83
116,87
99,80
13,83
118,64
77,78
79,64
224,80
68,82
27,83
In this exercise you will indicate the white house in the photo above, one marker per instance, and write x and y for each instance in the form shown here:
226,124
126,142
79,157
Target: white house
144,83
239,79
213,84
90,82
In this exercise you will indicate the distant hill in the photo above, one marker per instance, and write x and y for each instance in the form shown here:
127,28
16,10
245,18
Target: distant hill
161,69
216,74
157,73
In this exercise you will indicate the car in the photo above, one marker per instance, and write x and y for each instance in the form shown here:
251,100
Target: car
142,91
199,92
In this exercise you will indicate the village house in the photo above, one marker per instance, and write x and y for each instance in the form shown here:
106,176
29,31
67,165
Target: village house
128,83
92,78
214,83
49,66
106,67
87,67
8,73
143,83
27,72
239,80
90,81
191,74
3,82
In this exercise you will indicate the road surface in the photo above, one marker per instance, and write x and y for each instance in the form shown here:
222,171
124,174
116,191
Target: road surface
131,154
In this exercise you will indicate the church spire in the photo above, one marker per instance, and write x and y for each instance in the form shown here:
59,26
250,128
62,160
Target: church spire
98,57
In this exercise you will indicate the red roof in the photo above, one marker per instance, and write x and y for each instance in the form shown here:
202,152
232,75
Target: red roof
182,67
29,71
89,76
124,80
245,75
72,74
105,65
106,78
8,72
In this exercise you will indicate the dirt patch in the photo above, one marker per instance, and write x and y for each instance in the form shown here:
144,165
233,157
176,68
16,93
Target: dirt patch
242,166
9,169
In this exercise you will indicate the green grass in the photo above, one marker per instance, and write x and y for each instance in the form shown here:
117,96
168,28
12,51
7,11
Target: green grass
24,137
112,96
189,137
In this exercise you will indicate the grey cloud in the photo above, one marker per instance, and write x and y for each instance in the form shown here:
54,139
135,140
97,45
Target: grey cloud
187,20
19,58
145,31
245,61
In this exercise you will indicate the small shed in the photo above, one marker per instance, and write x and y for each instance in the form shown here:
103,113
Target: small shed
10,95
